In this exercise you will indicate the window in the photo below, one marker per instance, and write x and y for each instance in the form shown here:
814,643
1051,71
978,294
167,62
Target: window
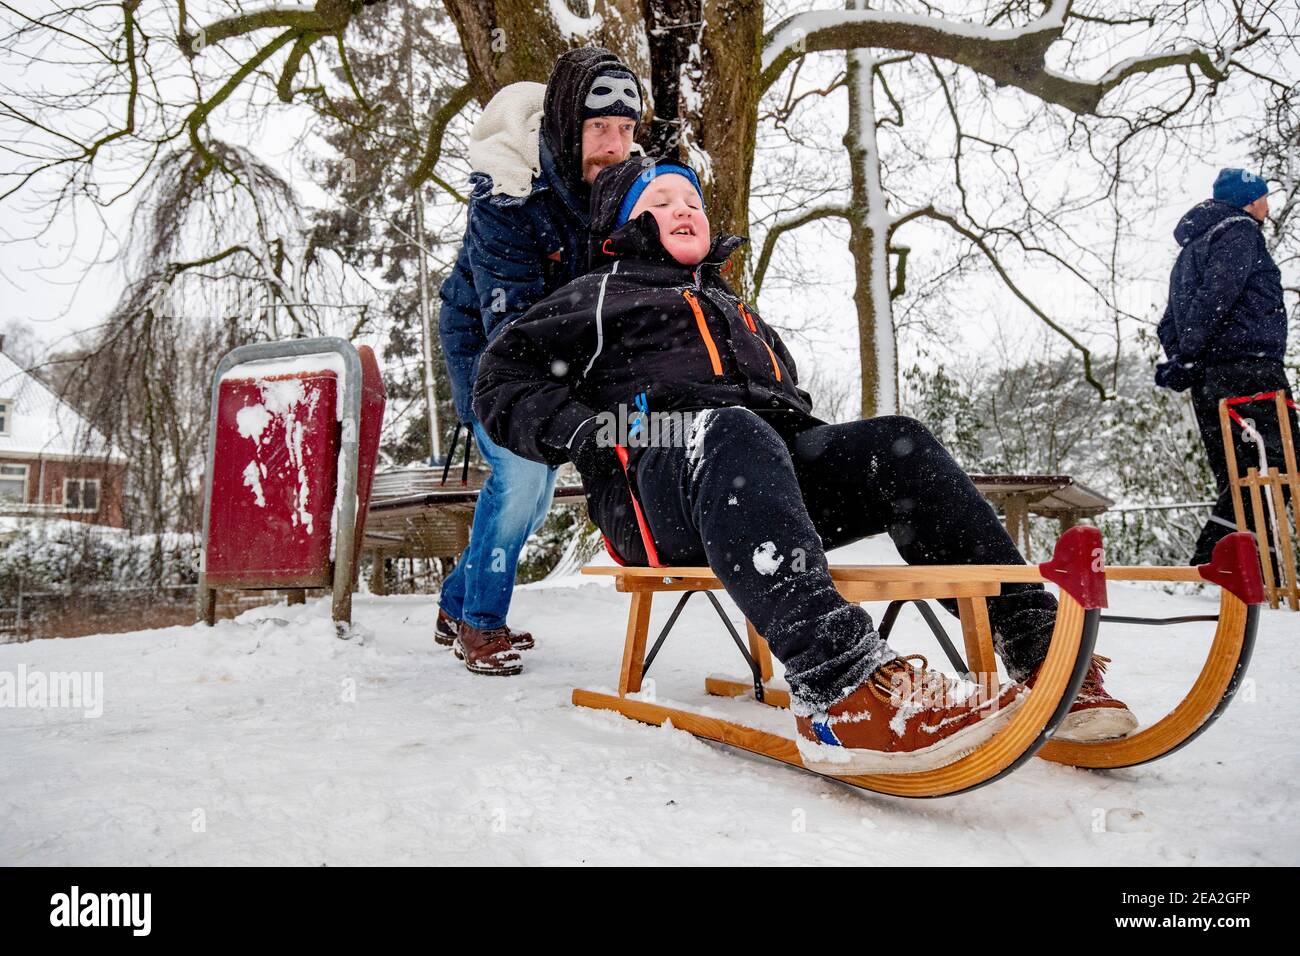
81,494
13,483
6,413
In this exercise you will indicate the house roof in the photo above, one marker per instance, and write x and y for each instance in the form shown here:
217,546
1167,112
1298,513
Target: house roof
41,423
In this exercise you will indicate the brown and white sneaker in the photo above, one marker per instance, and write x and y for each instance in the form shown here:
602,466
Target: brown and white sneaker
486,652
1094,715
446,628
903,719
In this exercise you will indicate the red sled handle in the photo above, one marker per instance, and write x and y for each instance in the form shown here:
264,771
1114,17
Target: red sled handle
652,555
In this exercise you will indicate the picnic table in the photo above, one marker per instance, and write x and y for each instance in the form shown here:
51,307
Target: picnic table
1048,496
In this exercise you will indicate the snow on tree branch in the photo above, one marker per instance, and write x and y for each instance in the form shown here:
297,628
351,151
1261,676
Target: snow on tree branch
571,25
1009,57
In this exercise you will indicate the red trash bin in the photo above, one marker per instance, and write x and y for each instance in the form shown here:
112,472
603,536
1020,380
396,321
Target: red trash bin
295,425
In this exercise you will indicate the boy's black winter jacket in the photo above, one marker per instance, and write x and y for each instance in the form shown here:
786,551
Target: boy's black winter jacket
639,324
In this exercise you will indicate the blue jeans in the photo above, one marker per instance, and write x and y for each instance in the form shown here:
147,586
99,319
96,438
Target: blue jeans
511,506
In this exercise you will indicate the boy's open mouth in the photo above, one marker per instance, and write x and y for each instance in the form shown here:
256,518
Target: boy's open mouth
683,231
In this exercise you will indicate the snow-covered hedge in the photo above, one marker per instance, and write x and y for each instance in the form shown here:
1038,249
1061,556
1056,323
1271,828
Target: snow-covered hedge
69,556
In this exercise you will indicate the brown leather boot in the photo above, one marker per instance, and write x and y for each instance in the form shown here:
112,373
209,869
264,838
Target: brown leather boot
444,631
520,640
486,652
1094,714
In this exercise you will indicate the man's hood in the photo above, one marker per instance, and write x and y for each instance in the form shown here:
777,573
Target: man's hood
566,91
1203,217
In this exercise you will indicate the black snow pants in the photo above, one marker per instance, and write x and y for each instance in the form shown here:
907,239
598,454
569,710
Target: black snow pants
761,506
1247,377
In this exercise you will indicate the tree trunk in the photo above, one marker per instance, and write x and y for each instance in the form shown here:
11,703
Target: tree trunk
868,235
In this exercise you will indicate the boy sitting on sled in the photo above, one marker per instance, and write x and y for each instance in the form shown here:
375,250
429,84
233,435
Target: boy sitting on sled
757,487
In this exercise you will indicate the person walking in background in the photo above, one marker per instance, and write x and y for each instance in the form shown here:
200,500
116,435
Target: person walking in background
535,152
1225,329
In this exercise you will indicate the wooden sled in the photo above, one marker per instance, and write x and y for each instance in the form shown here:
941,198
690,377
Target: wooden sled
1075,566
1266,485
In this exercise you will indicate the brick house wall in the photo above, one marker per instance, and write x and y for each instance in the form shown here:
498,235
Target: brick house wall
110,477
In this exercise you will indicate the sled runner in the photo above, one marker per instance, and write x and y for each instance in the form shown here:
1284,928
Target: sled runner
1236,570
1075,566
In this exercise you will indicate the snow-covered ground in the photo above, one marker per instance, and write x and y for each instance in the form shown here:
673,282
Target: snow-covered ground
266,740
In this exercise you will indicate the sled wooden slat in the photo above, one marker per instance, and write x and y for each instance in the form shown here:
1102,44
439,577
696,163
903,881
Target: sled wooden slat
947,574
1261,534
721,686
638,628
1122,572
978,636
758,650
944,577
1286,563
1277,557
1293,479
1234,474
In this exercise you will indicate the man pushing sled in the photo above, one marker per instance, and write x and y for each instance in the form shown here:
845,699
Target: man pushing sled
759,488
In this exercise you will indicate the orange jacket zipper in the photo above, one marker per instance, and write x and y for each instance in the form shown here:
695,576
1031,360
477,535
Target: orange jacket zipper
749,321
704,331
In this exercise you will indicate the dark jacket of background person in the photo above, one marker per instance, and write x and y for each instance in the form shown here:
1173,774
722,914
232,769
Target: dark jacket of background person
1225,294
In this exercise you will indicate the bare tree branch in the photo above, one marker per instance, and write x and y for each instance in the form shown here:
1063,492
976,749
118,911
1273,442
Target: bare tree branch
989,253
785,225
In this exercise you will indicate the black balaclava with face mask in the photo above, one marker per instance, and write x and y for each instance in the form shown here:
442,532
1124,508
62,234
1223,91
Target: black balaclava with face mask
590,81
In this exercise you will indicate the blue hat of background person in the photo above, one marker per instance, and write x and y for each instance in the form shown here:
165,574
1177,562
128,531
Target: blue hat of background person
1239,187
648,176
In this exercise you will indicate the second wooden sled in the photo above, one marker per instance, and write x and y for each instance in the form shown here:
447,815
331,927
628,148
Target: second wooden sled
1076,566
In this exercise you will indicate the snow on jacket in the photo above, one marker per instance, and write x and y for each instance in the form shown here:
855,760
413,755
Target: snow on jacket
1225,292
640,325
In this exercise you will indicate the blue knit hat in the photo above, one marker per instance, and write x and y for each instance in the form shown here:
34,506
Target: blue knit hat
647,176
1238,187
